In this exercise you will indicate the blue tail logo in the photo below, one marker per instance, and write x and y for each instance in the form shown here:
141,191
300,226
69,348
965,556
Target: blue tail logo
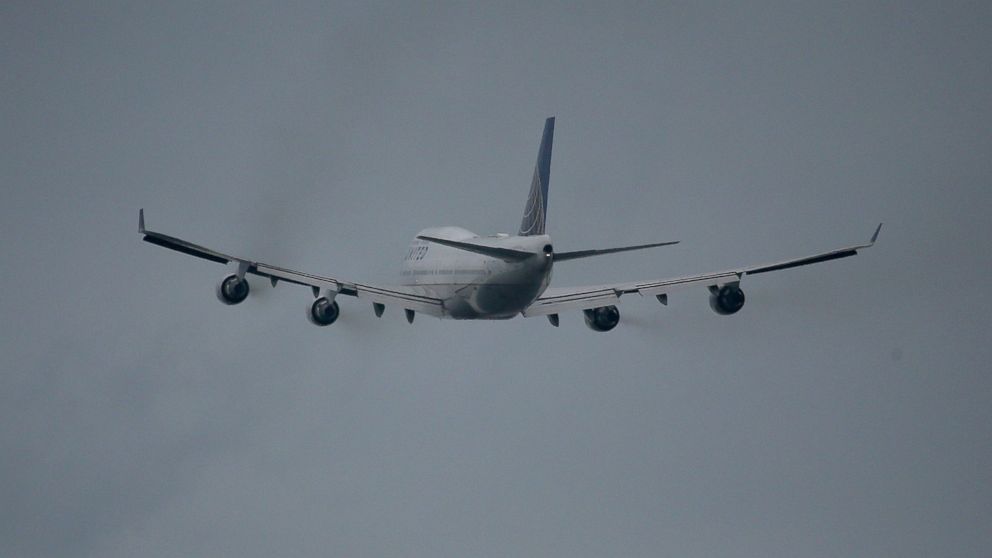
537,202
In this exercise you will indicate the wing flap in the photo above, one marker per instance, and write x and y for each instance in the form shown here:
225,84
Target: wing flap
410,298
559,300
816,258
655,288
179,245
296,277
802,261
556,300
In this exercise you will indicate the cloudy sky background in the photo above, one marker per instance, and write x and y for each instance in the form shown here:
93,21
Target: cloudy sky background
845,411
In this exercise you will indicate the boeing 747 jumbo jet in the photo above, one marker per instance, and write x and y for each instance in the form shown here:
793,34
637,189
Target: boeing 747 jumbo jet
450,272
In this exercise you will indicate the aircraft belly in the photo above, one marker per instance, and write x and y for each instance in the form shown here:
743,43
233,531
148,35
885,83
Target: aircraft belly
490,301
502,299
473,287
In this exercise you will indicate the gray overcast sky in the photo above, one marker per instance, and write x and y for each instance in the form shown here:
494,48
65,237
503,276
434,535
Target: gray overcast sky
845,411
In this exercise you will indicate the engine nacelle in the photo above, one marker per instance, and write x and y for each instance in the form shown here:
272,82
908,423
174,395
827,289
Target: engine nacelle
603,318
727,299
323,312
232,290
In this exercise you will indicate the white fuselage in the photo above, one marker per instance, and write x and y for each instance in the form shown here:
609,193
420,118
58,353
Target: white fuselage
478,286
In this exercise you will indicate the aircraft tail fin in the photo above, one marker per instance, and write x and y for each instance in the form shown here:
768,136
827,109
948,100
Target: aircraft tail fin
537,202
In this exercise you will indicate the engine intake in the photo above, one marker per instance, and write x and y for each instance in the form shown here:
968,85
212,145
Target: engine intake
232,290
323,312
727,299
603,318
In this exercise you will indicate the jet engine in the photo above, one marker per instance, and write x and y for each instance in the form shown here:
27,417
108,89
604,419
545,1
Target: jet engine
232,290
603,318
727,299
323,312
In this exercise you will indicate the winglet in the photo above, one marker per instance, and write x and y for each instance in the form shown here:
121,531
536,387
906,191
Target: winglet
874,237
141,220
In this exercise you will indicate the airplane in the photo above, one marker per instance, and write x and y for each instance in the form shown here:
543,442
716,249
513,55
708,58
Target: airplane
451,272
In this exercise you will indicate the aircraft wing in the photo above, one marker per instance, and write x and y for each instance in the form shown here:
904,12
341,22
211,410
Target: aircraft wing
410,298
555,300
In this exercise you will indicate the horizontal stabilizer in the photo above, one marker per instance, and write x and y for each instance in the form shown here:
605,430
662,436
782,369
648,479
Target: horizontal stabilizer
506,254
562,256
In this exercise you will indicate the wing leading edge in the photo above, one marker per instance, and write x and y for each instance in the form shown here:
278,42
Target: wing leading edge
555,300
407,297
